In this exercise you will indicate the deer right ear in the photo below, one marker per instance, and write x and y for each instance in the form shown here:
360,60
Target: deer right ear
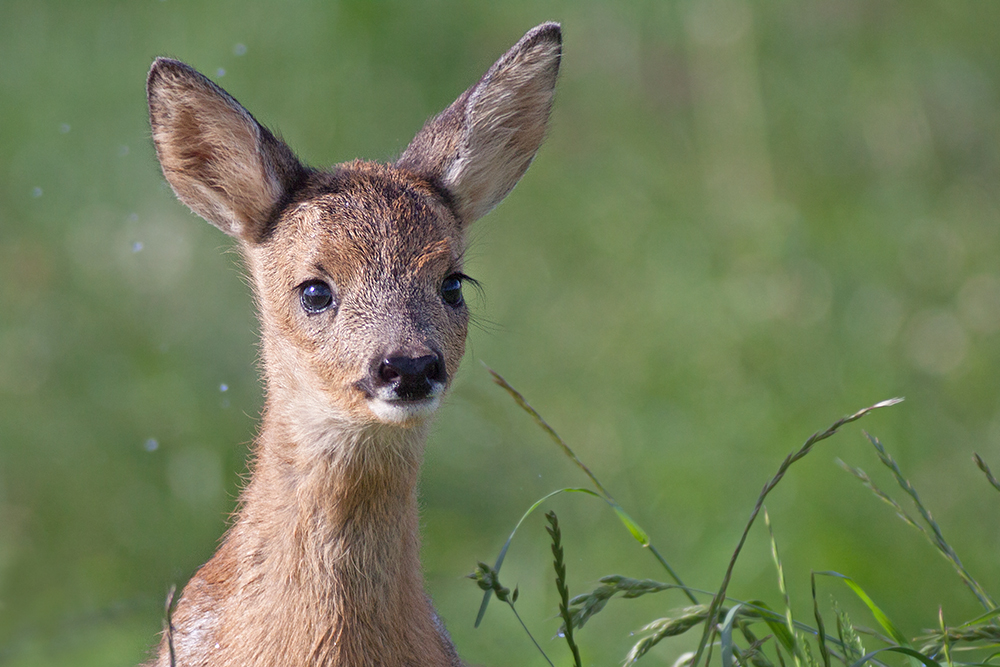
480,146
219,160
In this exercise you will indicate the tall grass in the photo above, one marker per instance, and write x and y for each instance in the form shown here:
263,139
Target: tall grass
748,632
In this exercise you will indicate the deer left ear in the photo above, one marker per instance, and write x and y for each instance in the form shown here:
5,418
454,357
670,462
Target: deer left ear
220,161
480,146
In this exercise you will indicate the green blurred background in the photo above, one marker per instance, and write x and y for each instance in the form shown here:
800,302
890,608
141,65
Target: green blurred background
748,220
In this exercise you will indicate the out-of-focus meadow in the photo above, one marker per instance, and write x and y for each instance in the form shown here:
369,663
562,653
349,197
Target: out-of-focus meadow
748,220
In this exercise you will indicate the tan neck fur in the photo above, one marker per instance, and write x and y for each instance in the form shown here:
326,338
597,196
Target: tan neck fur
325,552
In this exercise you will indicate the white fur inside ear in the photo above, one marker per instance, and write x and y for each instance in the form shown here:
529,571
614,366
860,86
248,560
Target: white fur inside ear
506,117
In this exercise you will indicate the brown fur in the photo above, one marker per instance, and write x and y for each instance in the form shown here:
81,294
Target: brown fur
321,565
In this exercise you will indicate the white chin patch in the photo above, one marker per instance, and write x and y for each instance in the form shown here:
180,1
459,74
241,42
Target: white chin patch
399,412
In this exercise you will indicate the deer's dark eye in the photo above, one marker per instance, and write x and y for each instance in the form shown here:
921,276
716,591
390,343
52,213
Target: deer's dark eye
316,296
451,290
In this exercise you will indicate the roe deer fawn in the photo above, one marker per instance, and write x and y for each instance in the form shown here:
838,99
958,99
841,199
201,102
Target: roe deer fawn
357,273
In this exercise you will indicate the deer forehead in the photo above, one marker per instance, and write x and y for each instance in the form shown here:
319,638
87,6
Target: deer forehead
367,225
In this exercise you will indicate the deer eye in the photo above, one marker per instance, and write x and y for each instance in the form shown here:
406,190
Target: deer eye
316,296
451,289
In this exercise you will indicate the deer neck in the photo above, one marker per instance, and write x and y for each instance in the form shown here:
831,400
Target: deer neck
328,547
343,501
340,487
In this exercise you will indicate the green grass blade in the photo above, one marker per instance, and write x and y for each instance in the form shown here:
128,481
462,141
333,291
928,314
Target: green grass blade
876,611
637,532
776,623
992,613
824,650
905,650
789,621
726,637
506,545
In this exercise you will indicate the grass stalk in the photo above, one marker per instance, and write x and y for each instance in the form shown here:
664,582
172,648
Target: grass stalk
559,563
768,487
488,579
637,532
986,470
935,535
789,621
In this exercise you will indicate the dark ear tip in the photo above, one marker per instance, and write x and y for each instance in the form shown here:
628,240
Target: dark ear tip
162,65
167,67
549,31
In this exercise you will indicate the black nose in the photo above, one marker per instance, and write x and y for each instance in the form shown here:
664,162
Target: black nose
411,376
